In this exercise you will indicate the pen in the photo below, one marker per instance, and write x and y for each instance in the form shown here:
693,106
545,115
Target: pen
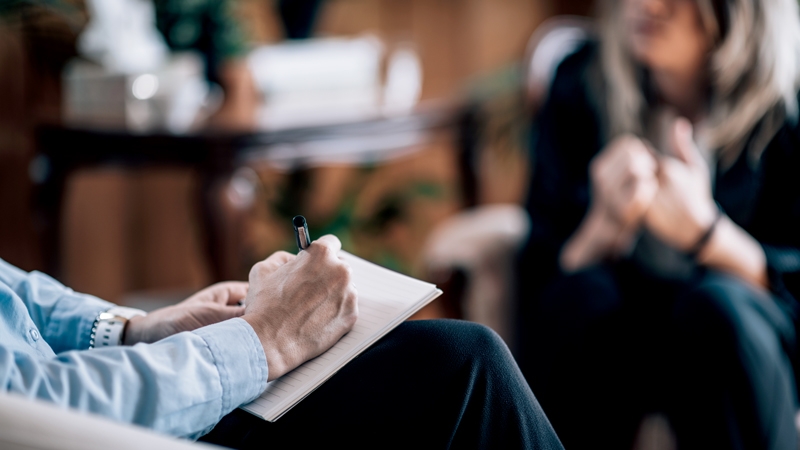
301,232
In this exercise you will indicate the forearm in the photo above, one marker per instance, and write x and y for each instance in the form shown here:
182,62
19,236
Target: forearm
63,316
182,385
596,239
731,249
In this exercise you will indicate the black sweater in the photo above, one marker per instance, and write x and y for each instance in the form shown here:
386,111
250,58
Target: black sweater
569,131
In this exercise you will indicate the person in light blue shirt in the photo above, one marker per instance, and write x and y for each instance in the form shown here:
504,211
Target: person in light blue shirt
184,369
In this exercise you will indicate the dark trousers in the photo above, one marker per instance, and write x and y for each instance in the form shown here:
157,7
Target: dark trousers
610,344
427,384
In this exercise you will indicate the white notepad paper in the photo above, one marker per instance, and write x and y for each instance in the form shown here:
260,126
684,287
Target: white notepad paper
385,299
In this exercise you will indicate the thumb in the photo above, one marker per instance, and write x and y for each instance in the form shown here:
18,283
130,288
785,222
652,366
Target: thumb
683,144
229,312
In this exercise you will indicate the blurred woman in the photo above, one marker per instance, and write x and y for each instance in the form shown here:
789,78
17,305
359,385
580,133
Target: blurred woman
663,266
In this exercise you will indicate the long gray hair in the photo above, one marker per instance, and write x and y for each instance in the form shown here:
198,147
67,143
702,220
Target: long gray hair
754,72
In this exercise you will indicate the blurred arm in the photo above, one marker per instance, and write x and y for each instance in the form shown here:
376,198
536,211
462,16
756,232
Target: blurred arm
731,249
596,238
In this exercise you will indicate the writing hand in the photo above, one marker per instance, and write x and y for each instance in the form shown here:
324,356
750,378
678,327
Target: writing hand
299,306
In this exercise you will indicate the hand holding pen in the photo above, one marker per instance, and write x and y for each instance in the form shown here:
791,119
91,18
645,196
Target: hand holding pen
300,305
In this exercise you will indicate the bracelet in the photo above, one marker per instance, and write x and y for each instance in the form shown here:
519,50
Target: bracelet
703,241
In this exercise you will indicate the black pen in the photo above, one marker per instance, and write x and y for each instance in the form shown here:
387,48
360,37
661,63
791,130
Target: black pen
301,232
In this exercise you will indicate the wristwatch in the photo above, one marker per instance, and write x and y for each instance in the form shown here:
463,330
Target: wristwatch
108,329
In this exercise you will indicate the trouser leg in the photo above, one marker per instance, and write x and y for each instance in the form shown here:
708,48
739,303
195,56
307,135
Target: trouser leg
588,362
428,384
734,380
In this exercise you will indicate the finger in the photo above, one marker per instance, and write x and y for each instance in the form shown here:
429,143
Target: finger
643,194
643,164
230,312
611,176
634,159
230,292
669,170
683,146
276,260
330,241
618,162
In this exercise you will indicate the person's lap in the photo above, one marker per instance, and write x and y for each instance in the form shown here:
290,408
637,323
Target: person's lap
626,344
734,345
428,384
590,358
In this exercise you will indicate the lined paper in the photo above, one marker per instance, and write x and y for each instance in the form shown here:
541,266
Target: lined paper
385,299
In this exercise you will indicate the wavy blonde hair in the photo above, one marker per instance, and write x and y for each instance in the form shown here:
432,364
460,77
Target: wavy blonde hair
754,73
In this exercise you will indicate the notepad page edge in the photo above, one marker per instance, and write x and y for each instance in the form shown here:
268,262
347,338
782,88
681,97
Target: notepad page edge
283,407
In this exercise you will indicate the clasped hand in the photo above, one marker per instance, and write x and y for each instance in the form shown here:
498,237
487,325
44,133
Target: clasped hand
670,194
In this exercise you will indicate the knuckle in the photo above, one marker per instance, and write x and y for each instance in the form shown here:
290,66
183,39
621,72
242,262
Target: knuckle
342,273
348,299
351,315
352,319
345,271
256,270
283,254
323,250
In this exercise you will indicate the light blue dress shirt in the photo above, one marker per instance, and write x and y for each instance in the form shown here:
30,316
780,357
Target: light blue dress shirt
182,385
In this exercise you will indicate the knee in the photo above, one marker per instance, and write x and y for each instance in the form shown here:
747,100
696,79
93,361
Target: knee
446,335
458,342
729,316
719,301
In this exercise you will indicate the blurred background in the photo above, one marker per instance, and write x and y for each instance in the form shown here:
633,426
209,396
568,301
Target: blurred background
148,149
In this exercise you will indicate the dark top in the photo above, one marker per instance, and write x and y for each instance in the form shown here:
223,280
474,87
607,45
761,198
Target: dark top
762,198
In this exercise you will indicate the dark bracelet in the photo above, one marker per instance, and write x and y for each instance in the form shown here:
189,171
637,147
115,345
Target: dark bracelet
701,243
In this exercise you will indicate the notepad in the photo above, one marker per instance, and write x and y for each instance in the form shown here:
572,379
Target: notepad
385,299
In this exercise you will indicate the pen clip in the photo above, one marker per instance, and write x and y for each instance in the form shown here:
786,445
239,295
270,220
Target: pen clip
301,232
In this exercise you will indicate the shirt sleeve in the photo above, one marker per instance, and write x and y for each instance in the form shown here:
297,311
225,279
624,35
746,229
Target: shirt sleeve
64,316
182,385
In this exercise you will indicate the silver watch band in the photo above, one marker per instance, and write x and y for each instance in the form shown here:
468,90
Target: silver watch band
109,326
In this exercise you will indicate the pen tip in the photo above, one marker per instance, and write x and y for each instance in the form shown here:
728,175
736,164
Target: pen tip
299,221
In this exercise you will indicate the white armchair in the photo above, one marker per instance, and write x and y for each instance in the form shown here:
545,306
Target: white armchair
27,424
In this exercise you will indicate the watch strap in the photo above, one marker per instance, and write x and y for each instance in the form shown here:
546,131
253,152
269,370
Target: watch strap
109,326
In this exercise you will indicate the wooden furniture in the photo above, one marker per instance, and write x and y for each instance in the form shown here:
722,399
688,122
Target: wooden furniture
214,158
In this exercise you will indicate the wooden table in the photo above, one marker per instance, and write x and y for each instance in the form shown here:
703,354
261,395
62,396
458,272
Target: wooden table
214,157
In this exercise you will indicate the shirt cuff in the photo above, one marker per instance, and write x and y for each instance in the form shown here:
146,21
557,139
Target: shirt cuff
71,321
240,360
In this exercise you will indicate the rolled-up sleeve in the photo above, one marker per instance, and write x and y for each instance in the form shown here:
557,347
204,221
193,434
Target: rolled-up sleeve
182,385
